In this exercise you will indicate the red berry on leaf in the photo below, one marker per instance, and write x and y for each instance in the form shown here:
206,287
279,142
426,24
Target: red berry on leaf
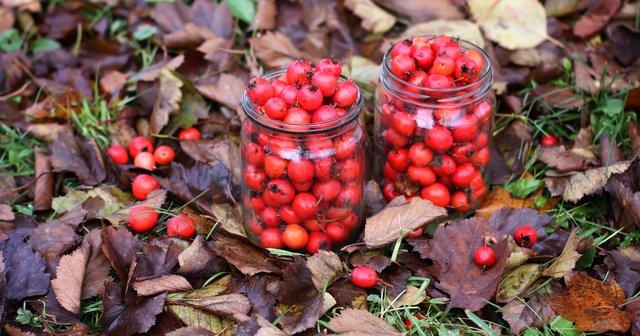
525,236
142,218
138,145
164,155
181,226
484,256
118,154
549,140
191,133
142,185
364,276
145,160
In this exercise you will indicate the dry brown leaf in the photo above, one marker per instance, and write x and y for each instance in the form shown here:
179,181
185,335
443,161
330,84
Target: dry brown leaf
579,157
167,101
228,91
324,266
151,73
374,18
243,254
234,305
574,186
6,214
265,18
595,20
167,283
593,305
361,322
195,258
69,277
566,261
43,192
514,24
563,7
190,331
274,49
419,10
98,266
112,82
6,18
464,29
500,198
388,224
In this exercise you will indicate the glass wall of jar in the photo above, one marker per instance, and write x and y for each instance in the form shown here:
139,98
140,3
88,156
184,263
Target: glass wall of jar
433,123
302,185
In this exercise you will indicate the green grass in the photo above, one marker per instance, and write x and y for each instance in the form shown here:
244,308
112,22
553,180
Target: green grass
16,152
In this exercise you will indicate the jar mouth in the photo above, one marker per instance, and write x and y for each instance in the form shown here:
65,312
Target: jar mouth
424,96
296,129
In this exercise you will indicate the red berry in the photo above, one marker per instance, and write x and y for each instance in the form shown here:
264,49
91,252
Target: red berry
349,221
466,70
437,193
295,236
282,145
314,225
463,175
525,236
345,146
255,227
481,141
349,170
436,82
254,177
422,175
424,57
275,108
326,82
189,134
318,241
164,155
346,94
140,144
297,116
484,256
278,86
482,111
477,186
279,192
462,153
257,203
420,155
318,147
118,154
300,170
439,138
145,160
331,65
443,165
398,159
416,82
271,238
259,90
288,215
448,115
389,173
460,202
269,217
289,94
394,138
549,140
451,50
323,168
440,41
443,65
309,97
254,154
297,72
389,191
350,195
465,128
142,218
181,226
142,185
327,191
403,66
481,157
304,205
337,233
364,276
476,57
403,123
404,47
323,114
275,166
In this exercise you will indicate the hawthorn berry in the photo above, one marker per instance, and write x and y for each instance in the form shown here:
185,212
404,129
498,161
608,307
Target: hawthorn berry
271,238
525,236
309,97
181,226
297,71
191,133
437,193
145,160
300,170
304,205
295,236
164,155
254,154
326,82
275,108
484,256
259,90
364,276
118,154
346,94
318,241
142,185
549,140
140,144
142,218
331,65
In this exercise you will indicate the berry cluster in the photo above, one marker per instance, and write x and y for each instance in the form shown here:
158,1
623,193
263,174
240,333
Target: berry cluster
302,190
143,218
437,150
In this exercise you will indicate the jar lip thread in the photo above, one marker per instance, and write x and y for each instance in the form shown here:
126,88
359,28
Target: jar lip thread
395,84
295,129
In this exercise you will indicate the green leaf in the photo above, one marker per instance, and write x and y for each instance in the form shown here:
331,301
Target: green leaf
10,40
517,281
194,317
481,323
612,107
44,44
587,258
564,327
532,332
144,32
244,10
522,188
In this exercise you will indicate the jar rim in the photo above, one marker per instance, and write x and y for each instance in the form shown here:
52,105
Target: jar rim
481,84
295,129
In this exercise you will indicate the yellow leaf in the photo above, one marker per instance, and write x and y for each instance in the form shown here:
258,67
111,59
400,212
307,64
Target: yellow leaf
374,18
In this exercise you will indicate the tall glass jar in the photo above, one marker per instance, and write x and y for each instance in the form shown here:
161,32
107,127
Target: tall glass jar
302,185
434,143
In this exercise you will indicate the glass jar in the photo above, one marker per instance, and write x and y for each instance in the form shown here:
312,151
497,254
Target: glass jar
302,185
434,143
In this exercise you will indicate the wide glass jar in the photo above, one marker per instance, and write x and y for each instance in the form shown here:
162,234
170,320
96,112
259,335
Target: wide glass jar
302,185
434,142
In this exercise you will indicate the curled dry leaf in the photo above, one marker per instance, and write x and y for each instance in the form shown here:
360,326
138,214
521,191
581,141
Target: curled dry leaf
215,152
97,267
627,269
393,220
628,200
423,10
158,258
500,198
151,73
80,156
260,290
374,18
579,157
235,306
361,322
304,303
596,19
195,258
43,190
243,254
507,220
120,317
53,238
120,246
464,29
468,285
167,101
166,283
227,90
593,305
190,331
274,49
566,261
324,267
573,187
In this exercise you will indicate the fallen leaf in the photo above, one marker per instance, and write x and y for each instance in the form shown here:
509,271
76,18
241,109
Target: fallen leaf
365,72
304,303
97,266
374,18
388,224
629,201
235,306
274,49
324,267
258,326
593,305
515,24
559,97
627,269
626,46
394,280
243,254
82,157
15,331
121,318
579,157
215,152
112,82
26,274
43,188
563,7
162,284
572,187
468,285
151,73
634,309
158,258
348,295
500,198
167,101
3,286
464,29
228,90
534,313
53,238
420,11
190,331
196,258
266,13
597,18
120,246
517,281
566,261
6,214
360,322
69,277
507,220
260,290
373,259
412,296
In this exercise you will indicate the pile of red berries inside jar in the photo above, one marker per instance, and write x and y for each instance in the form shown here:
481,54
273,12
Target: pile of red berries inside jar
303,157
433,121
